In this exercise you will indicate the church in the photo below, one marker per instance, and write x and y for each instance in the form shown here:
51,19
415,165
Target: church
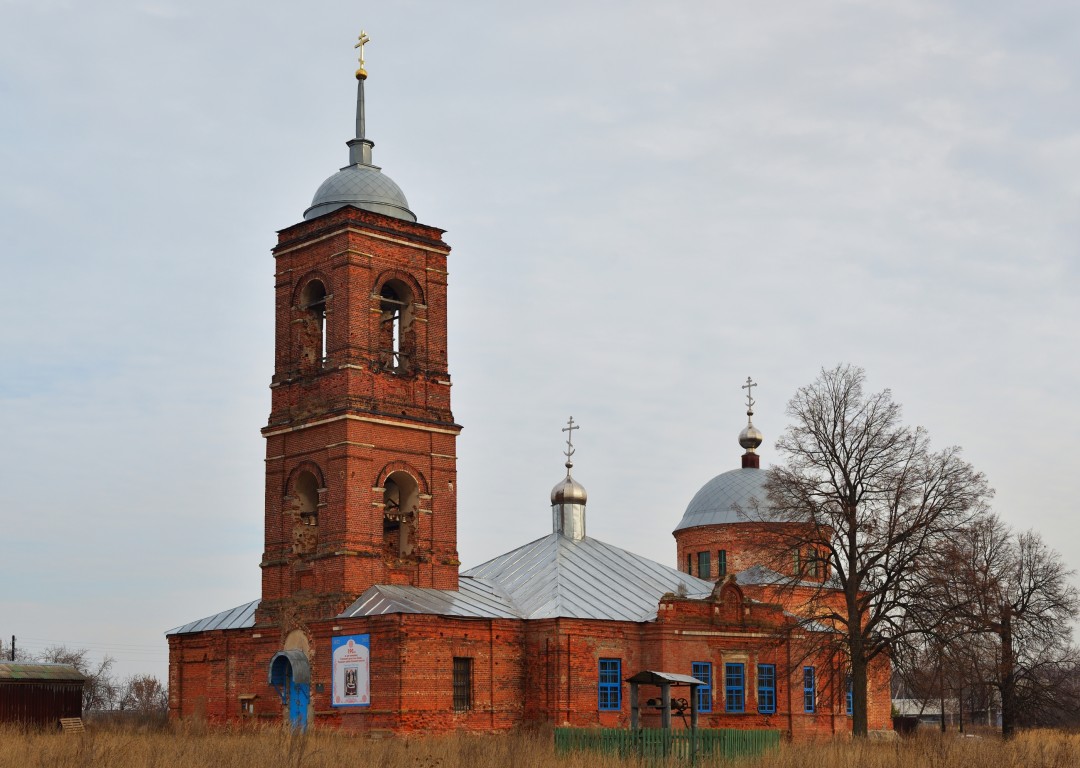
368,623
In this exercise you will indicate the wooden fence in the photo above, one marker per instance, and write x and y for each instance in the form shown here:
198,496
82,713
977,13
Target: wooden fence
691,746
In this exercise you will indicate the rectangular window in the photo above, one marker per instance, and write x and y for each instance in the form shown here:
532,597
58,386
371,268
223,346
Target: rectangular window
734,693
808,689
462,684
702,670
704,567
610,686
690,564
721,563
766,688
849,698
796,564
811,563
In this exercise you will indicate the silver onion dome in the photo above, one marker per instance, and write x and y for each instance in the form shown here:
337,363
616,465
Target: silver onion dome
569,491
751,438
360,183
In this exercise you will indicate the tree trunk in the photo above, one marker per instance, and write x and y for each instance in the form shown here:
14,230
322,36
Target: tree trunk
1008,674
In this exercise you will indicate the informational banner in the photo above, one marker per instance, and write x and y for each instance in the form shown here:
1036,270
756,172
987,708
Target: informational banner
352,679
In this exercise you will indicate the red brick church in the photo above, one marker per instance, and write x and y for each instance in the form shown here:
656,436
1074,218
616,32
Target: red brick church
366,621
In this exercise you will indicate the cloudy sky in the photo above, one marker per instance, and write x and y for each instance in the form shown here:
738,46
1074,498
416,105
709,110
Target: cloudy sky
647,203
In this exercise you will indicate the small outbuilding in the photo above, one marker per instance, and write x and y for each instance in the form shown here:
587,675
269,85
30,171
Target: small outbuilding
39,694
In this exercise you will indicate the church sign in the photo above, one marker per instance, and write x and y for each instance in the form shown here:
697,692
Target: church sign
351,656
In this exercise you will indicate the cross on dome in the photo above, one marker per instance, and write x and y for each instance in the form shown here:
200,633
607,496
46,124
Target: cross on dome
569,430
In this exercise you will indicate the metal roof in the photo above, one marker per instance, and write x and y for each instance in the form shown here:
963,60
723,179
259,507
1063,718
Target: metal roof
240,617
552,577
652,677
737,496
17,670
585,578
474,598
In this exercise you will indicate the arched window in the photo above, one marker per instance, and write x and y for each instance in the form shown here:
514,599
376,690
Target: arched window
401,501
313,329
395,324
305,506
307,497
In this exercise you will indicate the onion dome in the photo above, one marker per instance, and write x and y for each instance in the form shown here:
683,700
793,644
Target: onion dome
568,490
360,183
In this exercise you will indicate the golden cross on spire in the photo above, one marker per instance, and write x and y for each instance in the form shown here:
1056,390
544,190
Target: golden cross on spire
749,387
569,429
362,40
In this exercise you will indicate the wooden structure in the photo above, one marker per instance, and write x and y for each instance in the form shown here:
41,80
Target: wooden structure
40,694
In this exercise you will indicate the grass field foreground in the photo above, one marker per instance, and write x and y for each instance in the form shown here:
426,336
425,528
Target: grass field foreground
276,748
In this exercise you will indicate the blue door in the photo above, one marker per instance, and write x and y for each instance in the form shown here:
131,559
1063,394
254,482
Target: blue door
290,675
299,696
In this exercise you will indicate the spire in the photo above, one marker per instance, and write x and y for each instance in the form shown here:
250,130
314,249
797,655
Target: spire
568,497
360,147
750,438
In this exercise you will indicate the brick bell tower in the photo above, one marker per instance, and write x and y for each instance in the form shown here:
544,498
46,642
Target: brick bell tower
360,444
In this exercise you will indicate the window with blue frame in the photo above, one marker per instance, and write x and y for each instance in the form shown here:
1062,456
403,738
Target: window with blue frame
702,670
721,563
849,705
808,697
734,688
610,685
766,688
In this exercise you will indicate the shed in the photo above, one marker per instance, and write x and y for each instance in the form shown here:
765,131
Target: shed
39,694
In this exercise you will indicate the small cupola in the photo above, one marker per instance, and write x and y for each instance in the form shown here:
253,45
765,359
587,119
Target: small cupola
750,438
568,497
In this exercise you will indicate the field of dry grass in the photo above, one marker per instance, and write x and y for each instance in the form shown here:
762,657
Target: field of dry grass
207,748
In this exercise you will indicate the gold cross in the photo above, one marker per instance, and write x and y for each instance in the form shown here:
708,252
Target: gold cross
363,39
569,438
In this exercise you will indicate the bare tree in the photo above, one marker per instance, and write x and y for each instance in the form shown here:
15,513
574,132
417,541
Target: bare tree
1013,588
100,689
868,502
144,694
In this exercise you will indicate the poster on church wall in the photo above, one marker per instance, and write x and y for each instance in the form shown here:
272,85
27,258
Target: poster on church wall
351,656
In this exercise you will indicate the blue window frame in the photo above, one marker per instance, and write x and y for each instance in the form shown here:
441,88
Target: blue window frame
610,684
704,567
734,688
702,670
849,698
766,688
808,698
721,563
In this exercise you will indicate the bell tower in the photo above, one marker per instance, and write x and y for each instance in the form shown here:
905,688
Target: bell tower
360,443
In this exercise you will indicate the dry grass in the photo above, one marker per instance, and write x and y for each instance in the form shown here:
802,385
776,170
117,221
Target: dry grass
274,748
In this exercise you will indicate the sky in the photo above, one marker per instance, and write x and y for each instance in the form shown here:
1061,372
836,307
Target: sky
647,203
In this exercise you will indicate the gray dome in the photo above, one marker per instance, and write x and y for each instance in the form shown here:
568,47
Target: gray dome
363,186
733,497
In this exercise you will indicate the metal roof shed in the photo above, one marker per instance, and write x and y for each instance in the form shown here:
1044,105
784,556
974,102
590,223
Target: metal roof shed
39,694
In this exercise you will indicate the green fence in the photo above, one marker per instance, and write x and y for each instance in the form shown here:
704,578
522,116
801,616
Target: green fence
705,744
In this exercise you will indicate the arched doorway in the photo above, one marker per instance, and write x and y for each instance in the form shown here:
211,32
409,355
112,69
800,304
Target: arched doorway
290,675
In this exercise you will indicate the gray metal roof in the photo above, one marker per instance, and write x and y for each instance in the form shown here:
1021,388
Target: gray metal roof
548,578
653,677
588,579
474,598
363,186
737,496
240,617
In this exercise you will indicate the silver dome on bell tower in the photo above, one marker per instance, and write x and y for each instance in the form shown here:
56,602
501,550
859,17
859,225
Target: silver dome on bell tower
568,497
360,183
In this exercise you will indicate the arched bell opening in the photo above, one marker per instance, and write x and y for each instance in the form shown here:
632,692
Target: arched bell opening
401,504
